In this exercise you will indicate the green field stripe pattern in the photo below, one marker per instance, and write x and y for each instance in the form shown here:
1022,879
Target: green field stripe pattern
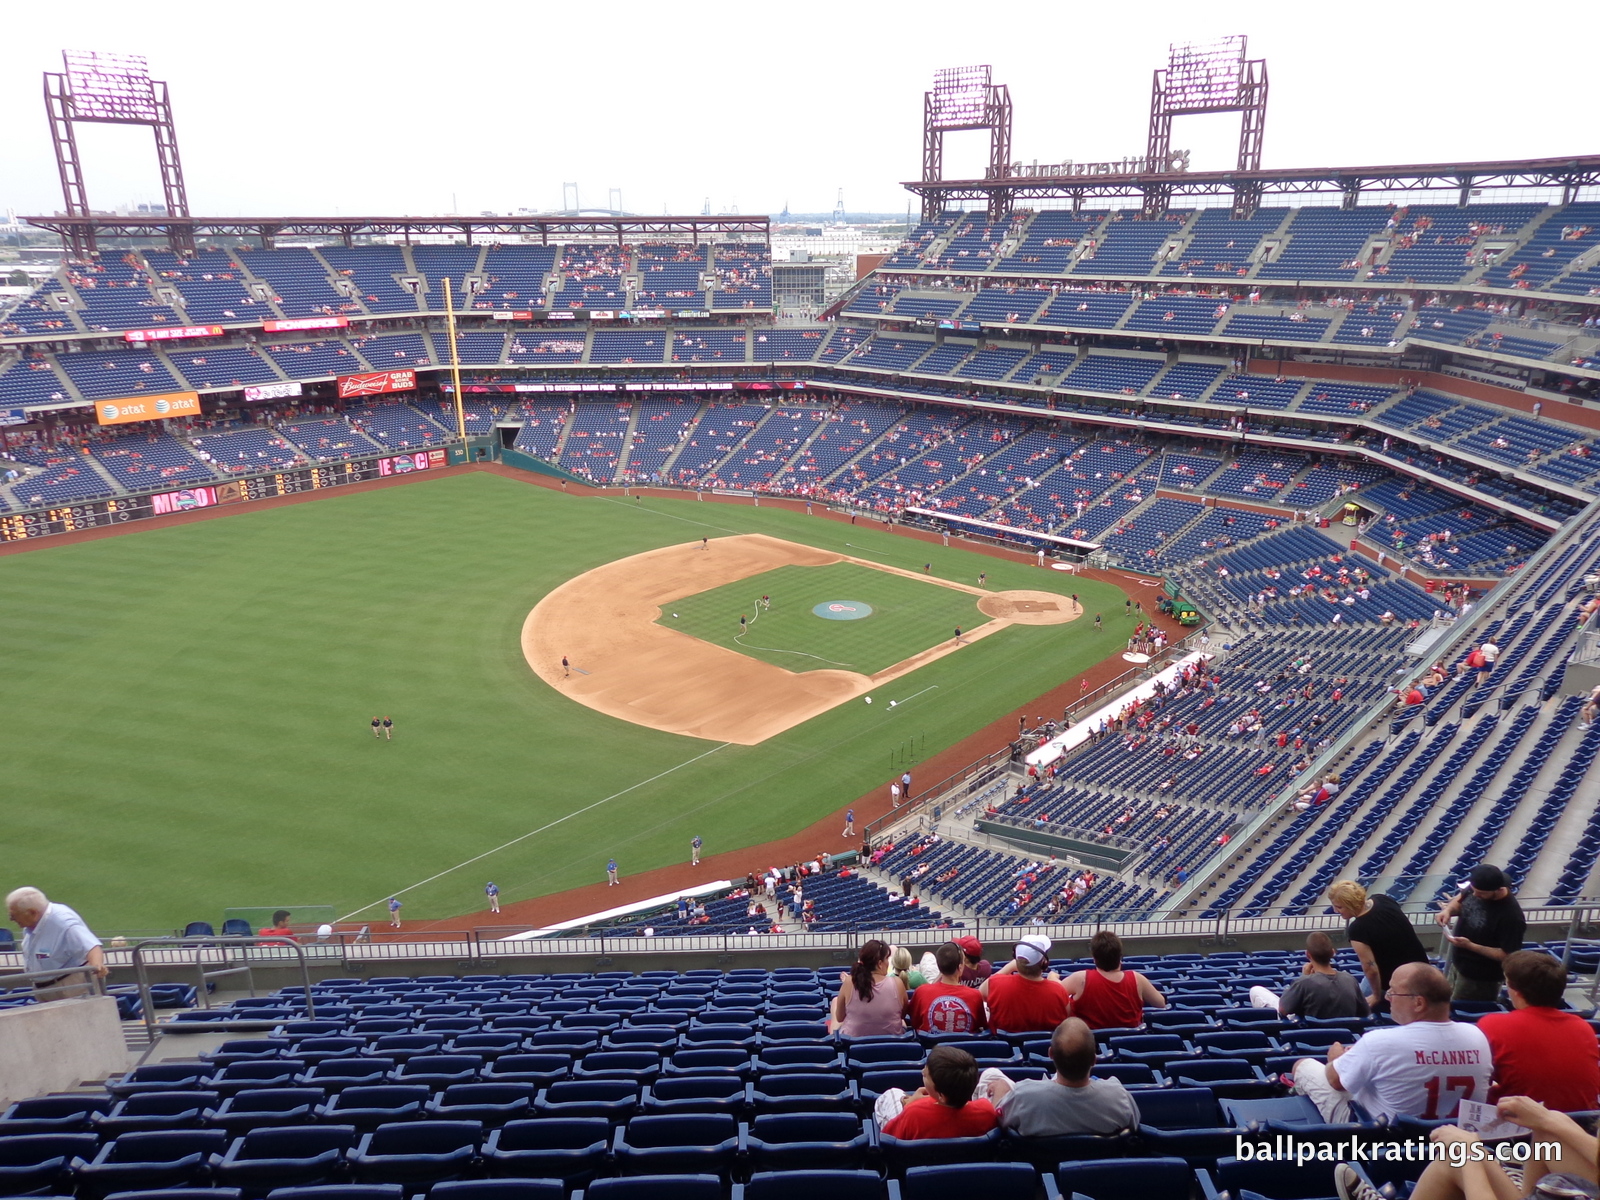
908,616
186,709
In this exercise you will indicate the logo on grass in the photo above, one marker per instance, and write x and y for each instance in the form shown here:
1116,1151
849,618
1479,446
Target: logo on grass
842,610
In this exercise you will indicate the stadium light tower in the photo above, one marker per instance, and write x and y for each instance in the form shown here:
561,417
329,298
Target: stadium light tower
966,98
109,89
1210,77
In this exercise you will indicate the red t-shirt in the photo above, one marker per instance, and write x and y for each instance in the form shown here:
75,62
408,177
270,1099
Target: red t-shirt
1018,1004
1106,1005
946,1008
927,1118
1544,1053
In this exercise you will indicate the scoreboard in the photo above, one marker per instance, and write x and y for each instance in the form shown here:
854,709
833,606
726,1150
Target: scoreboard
96,514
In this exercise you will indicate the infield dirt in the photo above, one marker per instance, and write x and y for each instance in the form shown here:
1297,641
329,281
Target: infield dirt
626,665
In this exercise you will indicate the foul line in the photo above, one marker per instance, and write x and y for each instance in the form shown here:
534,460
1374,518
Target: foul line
577,812
669,516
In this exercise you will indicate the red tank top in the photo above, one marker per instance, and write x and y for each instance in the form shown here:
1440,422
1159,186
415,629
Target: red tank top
1107,1005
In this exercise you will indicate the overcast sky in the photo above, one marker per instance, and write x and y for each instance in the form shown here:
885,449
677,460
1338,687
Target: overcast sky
294,108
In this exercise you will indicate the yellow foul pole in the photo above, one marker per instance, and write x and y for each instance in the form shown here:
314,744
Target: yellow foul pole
455,363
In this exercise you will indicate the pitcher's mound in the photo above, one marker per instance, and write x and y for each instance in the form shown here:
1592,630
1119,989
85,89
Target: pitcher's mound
1030,608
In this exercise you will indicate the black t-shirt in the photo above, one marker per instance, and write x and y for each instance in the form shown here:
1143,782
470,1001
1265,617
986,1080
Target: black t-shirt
1387,932
1319,995
1497,923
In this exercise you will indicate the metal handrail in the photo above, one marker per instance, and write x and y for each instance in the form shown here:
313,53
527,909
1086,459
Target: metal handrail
94,985
200,947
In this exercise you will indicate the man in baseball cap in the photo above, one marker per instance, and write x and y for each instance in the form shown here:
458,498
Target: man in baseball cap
975,968
1022,998
1488,927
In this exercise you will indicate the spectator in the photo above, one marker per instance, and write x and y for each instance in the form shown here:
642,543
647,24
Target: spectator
1022,997
1381,935
976,968
1422,1066
1314,797
1068,1103
947,1006
1488,652
54,938
1539,1050
870,1001
1321,991
1488,926
1476,1175
943,1107
280,926
900,967
1108,997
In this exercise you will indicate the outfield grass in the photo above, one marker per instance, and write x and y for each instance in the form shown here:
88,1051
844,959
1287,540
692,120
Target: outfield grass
186,711
908,616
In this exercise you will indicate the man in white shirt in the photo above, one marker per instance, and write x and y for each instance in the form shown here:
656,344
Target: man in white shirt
1424,1066
54,938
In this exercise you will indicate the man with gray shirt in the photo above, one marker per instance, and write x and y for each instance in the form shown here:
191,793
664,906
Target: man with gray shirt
1322,990
1071,1101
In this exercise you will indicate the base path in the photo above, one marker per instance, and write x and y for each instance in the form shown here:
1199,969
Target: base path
627,665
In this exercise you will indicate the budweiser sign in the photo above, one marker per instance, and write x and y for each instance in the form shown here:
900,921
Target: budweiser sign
376,383
305,323
172,334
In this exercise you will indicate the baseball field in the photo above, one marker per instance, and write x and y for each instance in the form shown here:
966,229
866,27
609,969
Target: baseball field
187,711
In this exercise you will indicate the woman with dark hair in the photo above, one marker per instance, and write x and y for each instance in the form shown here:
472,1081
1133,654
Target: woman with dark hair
871,1002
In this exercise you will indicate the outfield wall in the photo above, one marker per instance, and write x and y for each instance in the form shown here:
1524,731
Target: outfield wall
269,485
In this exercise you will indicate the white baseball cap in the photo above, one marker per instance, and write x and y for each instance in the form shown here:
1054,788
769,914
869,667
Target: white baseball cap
1033,949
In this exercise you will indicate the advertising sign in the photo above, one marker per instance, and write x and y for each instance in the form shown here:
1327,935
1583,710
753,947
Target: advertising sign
305,323
404,464
172,334
183,501
376,383
147,408
273,391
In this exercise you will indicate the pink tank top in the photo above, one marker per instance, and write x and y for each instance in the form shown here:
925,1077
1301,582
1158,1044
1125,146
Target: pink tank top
878,1017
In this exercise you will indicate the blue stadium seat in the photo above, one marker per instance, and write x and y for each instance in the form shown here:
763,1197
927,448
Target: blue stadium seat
369,1107
572,1149
294,1157
154,1110
498,1189
491,1104
808,1185
803,1140
39,1162
900,1156
416,1152
171,1158
695,1094
53,1114
667,1144
962,1180
653,1187
1127,1179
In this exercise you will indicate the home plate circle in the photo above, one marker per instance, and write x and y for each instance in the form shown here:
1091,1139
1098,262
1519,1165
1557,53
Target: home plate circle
842,610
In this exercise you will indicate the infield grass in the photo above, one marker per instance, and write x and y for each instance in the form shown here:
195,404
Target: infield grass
908,616
184,724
